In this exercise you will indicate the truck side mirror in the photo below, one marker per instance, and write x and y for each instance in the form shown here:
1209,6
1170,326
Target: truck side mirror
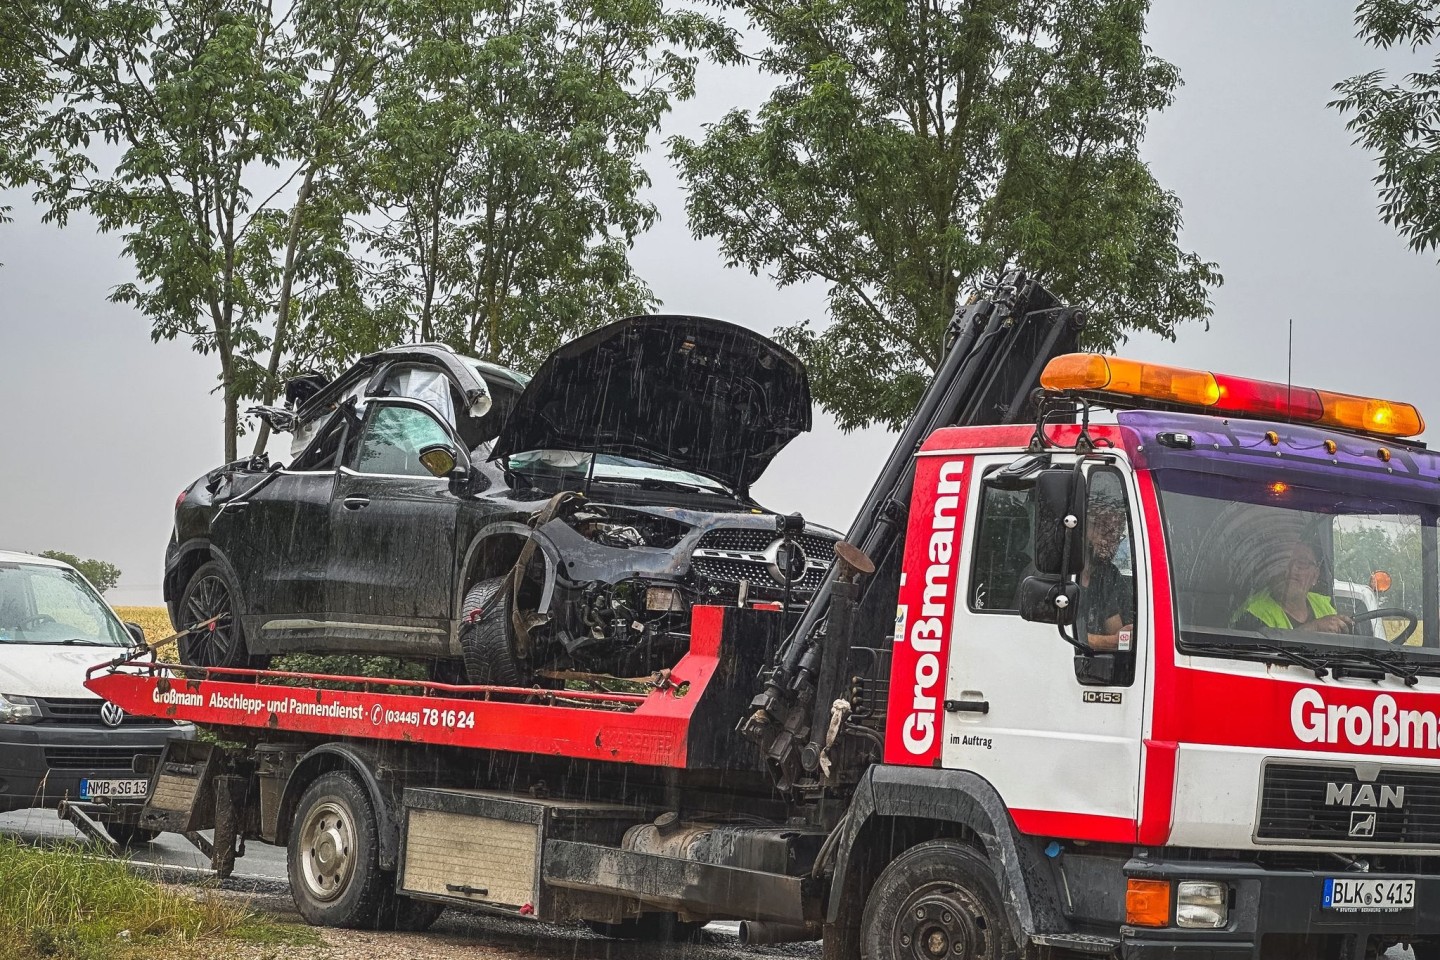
1059,529
1048,599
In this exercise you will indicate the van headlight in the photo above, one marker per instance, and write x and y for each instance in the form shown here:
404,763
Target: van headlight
1201,903
15,709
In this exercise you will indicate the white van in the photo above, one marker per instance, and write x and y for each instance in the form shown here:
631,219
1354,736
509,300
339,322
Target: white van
57,739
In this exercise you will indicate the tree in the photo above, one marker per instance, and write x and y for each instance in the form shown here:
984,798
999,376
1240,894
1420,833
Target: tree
505,165
101,575
1400,122
912,149
184,125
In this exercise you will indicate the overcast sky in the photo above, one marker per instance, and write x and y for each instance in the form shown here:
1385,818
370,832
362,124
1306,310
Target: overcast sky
102,429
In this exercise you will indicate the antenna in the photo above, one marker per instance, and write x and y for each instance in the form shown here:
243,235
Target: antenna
1289,362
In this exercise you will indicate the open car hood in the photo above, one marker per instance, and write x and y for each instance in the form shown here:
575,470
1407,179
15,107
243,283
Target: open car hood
686,392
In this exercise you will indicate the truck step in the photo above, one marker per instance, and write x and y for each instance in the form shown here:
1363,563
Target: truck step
1077,942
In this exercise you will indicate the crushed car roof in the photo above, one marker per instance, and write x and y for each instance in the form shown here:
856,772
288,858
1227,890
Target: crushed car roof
693,393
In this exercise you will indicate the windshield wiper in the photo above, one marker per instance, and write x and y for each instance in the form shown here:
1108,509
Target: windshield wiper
658,483
1320,665
1395,663
83,642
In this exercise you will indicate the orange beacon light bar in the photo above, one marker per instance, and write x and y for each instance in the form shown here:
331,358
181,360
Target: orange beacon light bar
1220,393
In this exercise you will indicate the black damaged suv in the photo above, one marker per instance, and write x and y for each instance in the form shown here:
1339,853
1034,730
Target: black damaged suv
441,508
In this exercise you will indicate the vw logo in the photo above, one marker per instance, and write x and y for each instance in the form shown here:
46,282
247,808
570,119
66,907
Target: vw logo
111,715
786,564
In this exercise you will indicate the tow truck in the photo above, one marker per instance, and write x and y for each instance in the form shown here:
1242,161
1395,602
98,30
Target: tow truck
1043,704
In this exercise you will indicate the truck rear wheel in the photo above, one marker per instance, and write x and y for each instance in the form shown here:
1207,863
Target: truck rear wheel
488,638
335,874
936,901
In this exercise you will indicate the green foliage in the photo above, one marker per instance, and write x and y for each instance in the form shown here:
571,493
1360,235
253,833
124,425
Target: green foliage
67,903
505,166
101,575
1400,122
1367,548
910,151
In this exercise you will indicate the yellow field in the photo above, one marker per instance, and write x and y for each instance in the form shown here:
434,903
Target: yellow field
156,623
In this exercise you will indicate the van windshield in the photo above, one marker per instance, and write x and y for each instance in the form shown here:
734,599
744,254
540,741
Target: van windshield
54,605
1258,565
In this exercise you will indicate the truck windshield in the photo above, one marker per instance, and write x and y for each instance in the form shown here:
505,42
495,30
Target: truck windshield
1277,568
54,605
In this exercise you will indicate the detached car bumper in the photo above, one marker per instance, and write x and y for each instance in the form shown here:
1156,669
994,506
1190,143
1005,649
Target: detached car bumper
41,764
1272,912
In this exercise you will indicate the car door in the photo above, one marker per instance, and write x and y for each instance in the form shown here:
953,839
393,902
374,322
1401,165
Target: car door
1058,735
277,539
392,535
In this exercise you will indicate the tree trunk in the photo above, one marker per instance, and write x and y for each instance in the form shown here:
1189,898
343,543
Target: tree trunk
282,311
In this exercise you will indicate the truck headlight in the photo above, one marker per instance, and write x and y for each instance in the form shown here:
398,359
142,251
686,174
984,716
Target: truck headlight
15,709
1201,903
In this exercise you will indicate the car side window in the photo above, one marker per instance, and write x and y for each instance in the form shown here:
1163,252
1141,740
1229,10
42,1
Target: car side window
1002,556
391,440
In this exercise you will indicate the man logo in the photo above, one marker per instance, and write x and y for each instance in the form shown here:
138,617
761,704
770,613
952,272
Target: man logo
1362,824
111,715
1363,795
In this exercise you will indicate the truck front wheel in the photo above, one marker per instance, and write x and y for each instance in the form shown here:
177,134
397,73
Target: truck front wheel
936,901
335,874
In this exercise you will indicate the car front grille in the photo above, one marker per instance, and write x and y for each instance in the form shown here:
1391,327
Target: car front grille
86,711
1328,803
731,554
96,758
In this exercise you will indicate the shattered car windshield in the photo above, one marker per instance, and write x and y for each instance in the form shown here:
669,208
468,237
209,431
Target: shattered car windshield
1278,562
607,467
54,605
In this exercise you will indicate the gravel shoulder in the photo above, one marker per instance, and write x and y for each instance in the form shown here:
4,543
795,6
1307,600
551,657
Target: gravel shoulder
462,935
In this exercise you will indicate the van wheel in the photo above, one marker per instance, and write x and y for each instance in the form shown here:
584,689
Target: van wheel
936,901
488,638
649,928
333,855
209,596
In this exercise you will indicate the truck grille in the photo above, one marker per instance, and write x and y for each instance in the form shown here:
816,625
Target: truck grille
1398,807
86,711
95,758
732,554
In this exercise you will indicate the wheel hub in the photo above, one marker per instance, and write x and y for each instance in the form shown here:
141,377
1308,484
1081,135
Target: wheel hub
327,850
941,924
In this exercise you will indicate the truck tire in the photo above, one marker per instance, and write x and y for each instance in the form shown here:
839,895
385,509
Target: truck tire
130,835
488,638
936,900
649,928
334,855
208,594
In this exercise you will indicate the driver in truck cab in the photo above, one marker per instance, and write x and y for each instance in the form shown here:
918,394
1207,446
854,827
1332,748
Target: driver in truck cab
1107,601
1289,601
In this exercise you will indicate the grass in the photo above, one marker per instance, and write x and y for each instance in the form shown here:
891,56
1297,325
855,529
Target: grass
63,903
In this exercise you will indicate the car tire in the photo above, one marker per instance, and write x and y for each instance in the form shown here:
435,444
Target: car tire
649,928
488,638
129,835
937,899
334,856
209,593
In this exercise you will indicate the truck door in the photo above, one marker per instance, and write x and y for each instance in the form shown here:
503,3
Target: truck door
1059,735
392,535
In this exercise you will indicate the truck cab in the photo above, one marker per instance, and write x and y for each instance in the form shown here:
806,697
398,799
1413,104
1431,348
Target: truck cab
1194,652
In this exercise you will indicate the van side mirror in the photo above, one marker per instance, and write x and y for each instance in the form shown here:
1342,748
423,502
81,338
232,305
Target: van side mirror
1059,530
137,633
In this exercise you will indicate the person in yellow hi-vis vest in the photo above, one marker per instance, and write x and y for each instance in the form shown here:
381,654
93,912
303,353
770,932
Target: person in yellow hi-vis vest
1290,602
